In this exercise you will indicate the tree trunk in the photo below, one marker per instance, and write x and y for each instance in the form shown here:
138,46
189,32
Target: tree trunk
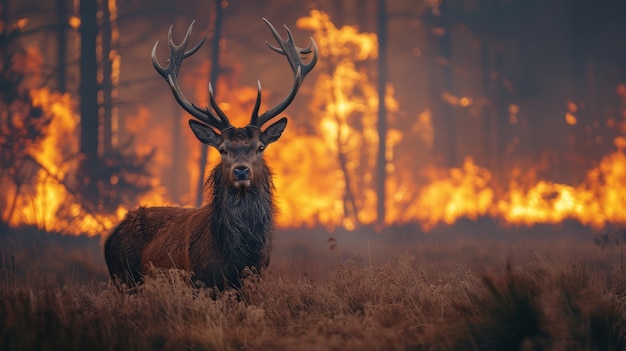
441,80
495,115
88,79
178,165
108,84
581,87
62,18
88,91
489,125
213,77
381,161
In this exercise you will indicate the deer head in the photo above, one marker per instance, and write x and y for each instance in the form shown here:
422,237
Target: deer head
241,148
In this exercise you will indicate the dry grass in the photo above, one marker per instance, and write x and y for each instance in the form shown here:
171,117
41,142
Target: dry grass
534,302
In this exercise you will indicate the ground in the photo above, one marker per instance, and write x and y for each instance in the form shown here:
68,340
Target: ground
548,288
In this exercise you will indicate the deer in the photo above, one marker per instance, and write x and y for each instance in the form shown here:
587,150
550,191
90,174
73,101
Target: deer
233,230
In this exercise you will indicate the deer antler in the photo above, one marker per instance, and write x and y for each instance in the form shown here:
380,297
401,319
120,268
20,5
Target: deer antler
289,49
170,73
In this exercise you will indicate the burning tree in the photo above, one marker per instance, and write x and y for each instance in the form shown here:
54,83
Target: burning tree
500,163
110,174
22,123
41,173
348,112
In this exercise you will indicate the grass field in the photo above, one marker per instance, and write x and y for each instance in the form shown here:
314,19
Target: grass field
449,291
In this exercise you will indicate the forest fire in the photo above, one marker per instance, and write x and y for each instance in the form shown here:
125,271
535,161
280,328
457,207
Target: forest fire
597,201
334,150
44,205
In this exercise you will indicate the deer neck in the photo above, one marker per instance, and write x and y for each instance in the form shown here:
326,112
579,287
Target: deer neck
242,221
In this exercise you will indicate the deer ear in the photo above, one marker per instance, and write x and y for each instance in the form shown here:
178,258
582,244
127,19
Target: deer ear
274,131
205,133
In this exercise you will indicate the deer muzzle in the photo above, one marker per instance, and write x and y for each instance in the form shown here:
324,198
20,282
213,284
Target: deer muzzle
241,176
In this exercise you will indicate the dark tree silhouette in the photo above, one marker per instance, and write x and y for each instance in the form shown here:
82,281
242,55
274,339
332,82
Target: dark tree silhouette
440,77
214,75
108,84
88,82
381,161
61,32
108,175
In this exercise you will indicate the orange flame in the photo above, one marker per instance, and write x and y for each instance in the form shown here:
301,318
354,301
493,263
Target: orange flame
597,201
41,207
449,195
324,165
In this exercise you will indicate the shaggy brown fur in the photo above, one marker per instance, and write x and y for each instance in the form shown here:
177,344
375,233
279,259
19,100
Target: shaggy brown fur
215,242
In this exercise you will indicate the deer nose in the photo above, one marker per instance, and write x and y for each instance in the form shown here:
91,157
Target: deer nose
241,172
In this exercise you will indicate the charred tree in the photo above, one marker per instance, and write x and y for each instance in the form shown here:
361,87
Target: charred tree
177,161
490,147
490,22
88,91
583,22
440,76
110,75
214,75
495,114
61,32
108,176
381,161
597,74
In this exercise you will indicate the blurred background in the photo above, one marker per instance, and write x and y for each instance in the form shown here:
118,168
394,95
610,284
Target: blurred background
419,113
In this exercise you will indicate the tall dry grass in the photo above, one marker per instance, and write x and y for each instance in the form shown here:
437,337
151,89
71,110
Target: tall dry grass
536,301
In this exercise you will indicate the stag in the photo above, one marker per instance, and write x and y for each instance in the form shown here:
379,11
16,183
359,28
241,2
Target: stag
233,230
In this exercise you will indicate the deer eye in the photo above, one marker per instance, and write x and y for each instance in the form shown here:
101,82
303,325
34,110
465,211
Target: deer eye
261,148
222,152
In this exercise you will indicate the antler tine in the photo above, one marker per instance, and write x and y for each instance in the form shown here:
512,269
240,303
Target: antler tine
257,105
217,108
293,54
170,73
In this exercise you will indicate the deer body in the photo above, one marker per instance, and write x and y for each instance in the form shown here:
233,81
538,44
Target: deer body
234,229
216,241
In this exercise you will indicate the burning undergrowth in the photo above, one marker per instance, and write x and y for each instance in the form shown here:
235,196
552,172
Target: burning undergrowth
43,175
335,137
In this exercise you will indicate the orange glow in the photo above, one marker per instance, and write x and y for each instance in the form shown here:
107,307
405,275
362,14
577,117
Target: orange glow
21,23
448,195
42,206
570,119
324,164
74,22
465,101
598,200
